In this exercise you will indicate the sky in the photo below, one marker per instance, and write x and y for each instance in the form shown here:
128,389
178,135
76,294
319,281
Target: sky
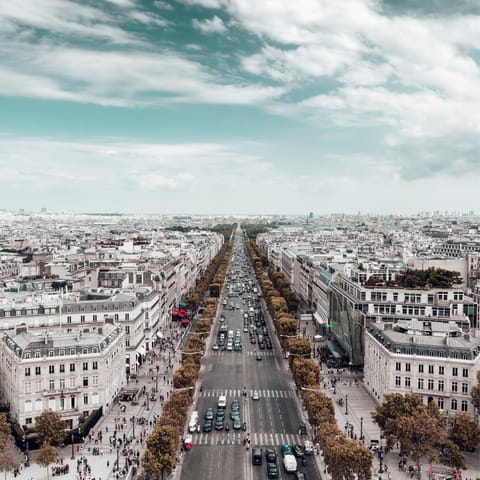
240,106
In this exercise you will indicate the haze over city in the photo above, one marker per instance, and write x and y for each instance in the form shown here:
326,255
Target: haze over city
229,106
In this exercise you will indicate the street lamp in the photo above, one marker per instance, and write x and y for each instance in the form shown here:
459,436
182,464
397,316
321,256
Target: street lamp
73,448
380,457
346,404
361,428
133,421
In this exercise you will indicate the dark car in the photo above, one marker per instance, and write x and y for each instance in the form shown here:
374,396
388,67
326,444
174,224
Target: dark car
270,455
298,451
272,470
219,424
259,357
256,456
207,426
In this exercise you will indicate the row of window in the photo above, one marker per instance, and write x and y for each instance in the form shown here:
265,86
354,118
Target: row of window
431,384
441,369
411,297
52,384
61,353
61,368
95,317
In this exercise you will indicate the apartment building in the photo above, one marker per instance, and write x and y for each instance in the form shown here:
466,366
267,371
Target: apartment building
435,360
72,373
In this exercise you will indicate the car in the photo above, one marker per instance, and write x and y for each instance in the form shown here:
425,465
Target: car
215,346
262,345
153,397
272,470
255,395
222,318
302,428
253,340
187,442
219,424
270,455
286,450
298,451
207,426
235,414
245,329
235,403
300,476
220,413
209,414
308,449
229,346
237,347
237,424
259,357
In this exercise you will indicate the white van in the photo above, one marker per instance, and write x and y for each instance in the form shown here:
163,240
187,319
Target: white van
192,426
222,401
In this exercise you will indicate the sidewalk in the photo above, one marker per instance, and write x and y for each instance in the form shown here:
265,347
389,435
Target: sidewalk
101,465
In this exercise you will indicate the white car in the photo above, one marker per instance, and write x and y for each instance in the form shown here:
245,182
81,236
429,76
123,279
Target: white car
255,395
215,347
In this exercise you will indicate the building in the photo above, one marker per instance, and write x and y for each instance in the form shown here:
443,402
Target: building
72,373
435,360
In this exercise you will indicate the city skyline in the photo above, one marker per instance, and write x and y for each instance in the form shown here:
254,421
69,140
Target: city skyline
236,107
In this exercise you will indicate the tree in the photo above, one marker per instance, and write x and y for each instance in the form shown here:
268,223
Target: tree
464,432
476,394
46,455
5,435
159,456
452,456
50,428
418,434
10,458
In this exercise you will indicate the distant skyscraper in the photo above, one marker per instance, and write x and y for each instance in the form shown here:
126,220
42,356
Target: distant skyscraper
43,209
310,215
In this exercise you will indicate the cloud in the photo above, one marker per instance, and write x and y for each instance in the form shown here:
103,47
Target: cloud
147,19
213,25
121,78
163,5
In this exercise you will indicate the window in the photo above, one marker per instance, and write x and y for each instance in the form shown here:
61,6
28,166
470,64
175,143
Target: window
85,399
85,381
464,406
127,342
38,371
440,403
51,385
95,380
85,366
72,382
453,404
127,331
61,353
430,369
420,383
116,316
27,372
407,367
72,351
94,365
420,368
454,387
464,387
38,385
441,370
441,385
407,382
454,372
465,373
29,421
27,387
51,369
62,384
82,318
95,318
398,366
430,384
69,319
37,354
127,316
398,381
72,367
62,368
51,353
85,351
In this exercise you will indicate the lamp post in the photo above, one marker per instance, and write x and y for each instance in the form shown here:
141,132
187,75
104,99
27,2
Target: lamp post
380,457
118,454
73,447
346,404
133,421
361,428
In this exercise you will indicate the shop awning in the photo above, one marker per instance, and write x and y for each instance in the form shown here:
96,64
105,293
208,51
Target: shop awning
159,334
333,349
141,350
319,319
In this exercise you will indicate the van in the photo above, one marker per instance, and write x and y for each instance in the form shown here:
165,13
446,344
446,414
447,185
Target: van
290,463
192,426
222,401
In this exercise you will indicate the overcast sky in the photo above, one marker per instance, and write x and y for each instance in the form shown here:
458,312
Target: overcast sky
240,106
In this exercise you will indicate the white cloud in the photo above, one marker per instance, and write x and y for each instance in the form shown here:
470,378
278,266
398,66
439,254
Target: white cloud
163,5
213,25
147,19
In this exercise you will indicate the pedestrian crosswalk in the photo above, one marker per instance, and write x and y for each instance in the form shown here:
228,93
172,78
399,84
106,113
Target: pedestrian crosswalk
237,393
236,438
263,353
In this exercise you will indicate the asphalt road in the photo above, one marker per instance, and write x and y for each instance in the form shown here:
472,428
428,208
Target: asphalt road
272,420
